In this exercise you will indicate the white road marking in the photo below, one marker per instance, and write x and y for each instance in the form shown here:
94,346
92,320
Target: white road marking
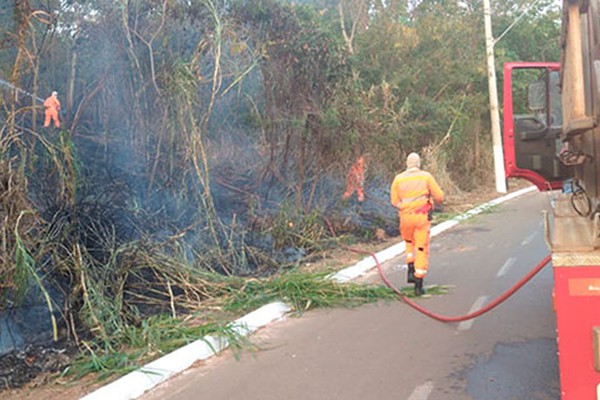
465,325
509,263
422,392
529,238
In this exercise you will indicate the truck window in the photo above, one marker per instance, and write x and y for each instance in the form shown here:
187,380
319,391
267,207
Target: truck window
537,92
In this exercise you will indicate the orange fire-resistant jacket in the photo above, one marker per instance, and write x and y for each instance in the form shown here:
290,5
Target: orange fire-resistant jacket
52,106
52,102
412,190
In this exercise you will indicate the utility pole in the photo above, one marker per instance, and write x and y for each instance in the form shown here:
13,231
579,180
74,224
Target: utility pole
494,111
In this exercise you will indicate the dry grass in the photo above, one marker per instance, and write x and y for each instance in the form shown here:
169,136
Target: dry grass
17,225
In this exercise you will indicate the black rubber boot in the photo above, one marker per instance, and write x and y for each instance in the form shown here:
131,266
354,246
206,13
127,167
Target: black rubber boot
410,277
419,291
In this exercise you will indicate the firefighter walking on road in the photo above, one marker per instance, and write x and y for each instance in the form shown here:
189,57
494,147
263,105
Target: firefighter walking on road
413,193
52,108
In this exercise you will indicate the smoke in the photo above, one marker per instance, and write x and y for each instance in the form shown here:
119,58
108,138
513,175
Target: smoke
181,147
18,92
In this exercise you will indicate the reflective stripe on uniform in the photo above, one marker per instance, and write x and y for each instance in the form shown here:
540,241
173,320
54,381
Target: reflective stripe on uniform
409,199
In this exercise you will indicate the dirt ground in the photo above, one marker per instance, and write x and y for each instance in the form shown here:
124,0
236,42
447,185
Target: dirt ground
47,386
33,373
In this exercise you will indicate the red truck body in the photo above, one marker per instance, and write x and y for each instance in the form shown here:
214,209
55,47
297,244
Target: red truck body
551,137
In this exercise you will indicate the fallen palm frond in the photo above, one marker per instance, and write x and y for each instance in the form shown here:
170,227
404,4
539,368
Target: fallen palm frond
155,336
302,291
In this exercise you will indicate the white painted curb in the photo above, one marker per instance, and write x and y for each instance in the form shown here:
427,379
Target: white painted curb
136,383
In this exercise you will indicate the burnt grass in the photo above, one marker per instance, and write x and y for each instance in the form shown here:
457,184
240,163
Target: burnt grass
40,363
21,367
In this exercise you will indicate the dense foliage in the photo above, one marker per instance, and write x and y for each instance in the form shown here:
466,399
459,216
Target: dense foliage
209,135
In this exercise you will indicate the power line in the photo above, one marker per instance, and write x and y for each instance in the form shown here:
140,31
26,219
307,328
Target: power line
516,21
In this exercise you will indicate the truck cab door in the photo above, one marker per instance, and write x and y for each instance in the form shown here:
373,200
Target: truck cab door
533,124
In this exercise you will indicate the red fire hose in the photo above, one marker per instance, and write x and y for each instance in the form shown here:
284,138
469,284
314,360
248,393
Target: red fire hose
444,318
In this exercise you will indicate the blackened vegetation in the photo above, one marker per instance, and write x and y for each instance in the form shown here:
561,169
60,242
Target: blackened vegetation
111,256
207,140
25,365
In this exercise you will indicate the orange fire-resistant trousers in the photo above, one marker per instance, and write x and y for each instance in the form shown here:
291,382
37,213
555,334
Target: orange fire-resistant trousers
414,228
51,114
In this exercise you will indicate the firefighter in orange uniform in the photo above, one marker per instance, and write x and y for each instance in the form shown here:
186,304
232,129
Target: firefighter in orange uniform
52,106
413,193
355,180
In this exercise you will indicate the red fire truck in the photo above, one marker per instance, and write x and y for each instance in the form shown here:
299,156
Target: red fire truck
552,138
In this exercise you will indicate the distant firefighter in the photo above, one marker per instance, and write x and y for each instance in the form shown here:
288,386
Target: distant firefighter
52,106
355,180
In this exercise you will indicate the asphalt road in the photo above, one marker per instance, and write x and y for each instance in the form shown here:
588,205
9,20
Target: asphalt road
389,351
